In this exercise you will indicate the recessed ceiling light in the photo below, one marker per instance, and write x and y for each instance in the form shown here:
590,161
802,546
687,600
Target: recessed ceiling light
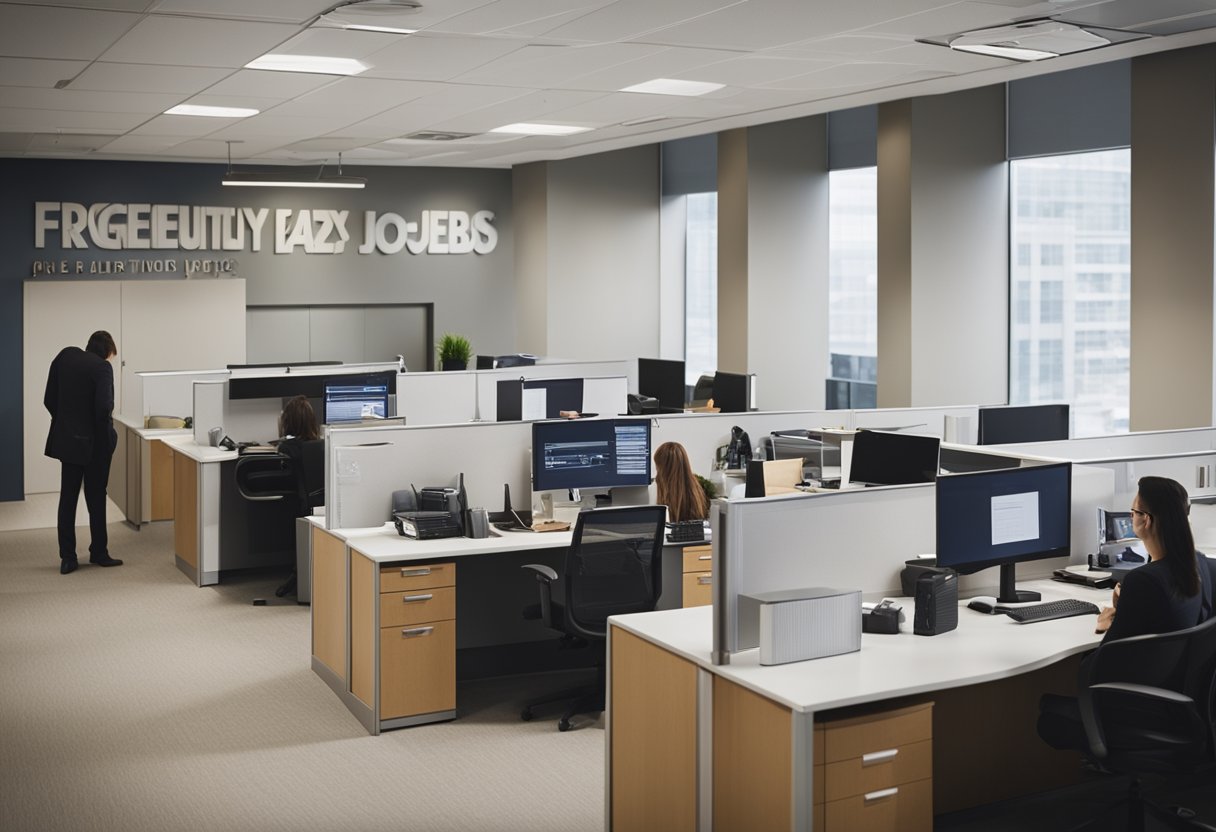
367,27
1031,40
524,128
211,112
1015,53
674,86
320,64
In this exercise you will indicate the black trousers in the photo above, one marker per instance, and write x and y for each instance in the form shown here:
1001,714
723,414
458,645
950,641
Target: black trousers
94,477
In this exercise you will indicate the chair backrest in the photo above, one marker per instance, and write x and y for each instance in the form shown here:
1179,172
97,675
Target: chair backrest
703,391
265,477
1149,702
311,472
613,566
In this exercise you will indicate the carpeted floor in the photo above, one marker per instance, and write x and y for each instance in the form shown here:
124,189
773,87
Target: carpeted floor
131,700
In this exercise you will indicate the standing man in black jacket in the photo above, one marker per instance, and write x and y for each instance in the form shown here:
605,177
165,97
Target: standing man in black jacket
80,398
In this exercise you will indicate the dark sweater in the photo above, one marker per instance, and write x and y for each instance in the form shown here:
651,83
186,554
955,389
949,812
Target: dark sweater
1149,602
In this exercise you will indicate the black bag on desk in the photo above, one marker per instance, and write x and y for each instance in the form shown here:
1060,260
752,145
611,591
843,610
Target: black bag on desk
936,602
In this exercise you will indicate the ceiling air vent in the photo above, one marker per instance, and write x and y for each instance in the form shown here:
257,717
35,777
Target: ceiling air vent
437,136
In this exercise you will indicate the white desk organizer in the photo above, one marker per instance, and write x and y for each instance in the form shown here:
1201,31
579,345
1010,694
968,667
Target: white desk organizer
793,625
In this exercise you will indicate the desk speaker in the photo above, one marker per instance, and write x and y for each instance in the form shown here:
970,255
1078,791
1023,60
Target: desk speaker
936,603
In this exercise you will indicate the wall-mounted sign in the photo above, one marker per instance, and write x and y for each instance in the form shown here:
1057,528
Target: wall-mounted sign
112,226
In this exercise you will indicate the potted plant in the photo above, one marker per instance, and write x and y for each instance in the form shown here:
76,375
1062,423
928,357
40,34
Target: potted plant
454,352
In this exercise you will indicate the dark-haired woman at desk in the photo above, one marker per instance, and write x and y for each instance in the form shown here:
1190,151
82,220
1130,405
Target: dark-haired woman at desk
1173,591
676,486
297,425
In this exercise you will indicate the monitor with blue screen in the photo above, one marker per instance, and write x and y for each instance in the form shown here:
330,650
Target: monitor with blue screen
590,453
354,398
1001,518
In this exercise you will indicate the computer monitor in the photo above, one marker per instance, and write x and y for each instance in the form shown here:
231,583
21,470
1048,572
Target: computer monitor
355,397
522,398
590,453
1001,518
732,392
521,359
882,458
1114,526
1030,423
662,379
485,362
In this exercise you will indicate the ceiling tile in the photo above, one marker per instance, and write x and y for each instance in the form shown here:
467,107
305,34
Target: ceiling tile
265,83
940,57
291,11
356,98
258,103
106,5
871,75
628,19
33,72
182,126
860,45
532,16
663,63
615,108
147,78
50,32
958,17
48,121
451,101
142,144
538,66
437,57
754,70
532,107
337,43
290,130
765,24
188,41
118,102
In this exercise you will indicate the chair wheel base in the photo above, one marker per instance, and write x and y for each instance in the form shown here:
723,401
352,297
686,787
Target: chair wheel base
563,724
526,714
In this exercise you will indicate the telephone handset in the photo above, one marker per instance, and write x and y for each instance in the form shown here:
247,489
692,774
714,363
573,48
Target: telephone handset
740,451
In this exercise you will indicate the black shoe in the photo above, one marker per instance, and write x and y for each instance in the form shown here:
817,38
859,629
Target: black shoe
105,560
67,565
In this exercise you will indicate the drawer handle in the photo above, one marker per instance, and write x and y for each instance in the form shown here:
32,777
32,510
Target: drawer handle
705,557
705,579
882,794
875,757
416,572
415,632
410,599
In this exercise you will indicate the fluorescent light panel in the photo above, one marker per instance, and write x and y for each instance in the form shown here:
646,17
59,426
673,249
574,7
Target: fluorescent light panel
276,180
674,86
318,64
367,27
524,128
211,112
1016,53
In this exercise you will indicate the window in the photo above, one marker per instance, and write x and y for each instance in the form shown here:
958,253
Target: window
853,273
701,287
1072,345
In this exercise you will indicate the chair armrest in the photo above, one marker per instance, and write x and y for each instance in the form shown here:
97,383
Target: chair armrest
1130,693
545,576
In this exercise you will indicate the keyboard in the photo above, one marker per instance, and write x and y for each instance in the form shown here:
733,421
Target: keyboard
1050,610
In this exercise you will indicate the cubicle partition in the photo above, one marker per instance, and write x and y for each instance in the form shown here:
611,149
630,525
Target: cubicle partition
953,424
486,401
855,539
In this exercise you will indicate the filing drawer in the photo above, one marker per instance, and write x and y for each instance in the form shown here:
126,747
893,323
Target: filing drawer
408,577
907,807
417,669
852,737
697,558
698,589
877,770
417,607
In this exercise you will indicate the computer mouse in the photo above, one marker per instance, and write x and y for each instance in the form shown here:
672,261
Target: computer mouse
984,603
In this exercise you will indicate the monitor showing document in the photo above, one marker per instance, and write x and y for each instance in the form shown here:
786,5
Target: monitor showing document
590,453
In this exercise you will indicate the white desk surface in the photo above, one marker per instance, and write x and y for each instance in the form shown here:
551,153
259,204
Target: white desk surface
387,546
185,444
981,649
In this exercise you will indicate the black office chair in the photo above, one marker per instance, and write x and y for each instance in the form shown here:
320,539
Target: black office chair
614,566
1148,706
703,391
296,474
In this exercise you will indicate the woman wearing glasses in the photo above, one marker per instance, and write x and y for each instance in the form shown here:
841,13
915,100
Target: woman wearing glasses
1173,590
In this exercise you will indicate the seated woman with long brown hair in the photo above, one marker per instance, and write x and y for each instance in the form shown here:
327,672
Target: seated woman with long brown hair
676,485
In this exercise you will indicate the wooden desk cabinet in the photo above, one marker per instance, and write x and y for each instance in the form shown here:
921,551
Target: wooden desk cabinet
417,640
698,577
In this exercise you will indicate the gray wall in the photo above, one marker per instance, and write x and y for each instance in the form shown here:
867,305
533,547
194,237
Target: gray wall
1173,112
943,250
472,294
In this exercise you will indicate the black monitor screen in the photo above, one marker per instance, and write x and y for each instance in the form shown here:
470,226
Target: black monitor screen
590,453
994,518
881,458
732,392
351,398
662,380
1032,423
